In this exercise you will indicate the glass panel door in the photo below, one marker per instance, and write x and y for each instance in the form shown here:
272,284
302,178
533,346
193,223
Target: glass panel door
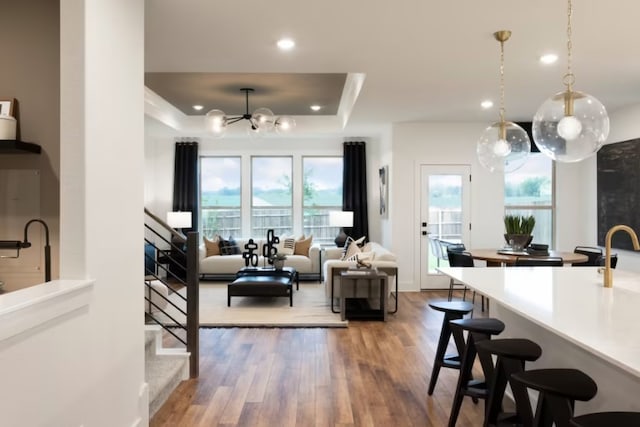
444,218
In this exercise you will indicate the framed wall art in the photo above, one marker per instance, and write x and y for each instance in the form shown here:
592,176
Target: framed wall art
618,192
7,107
383,173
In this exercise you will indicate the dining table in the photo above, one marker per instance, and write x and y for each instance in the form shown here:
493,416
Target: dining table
500,257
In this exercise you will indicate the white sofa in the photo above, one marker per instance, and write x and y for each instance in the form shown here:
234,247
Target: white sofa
226,266
373,253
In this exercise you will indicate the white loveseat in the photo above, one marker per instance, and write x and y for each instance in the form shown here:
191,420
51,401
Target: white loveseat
373,253
225,267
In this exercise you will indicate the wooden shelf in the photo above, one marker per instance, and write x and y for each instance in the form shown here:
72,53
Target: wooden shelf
13,146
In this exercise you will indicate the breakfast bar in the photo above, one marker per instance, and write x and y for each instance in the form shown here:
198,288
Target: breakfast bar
576,320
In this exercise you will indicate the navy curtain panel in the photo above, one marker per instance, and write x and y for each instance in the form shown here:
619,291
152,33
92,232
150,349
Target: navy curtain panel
185,181
354,187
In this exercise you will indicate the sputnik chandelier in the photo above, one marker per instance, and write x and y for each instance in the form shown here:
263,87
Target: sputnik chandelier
504,146
261,120
570,126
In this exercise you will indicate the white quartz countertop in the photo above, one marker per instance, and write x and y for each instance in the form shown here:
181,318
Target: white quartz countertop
570,302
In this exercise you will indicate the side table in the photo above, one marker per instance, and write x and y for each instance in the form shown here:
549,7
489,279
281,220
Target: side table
364,284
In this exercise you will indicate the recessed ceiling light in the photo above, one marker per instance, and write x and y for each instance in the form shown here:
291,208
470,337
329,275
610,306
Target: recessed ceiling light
316,107
486,104
286,44
549,58
198,107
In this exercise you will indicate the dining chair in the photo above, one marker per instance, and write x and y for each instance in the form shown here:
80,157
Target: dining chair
593,253
450,246
539,262
600,261
460,259
436,250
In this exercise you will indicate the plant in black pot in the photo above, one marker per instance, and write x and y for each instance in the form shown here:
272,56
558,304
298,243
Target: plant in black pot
278,260
518,229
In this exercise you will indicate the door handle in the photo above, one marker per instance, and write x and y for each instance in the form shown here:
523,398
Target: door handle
424,233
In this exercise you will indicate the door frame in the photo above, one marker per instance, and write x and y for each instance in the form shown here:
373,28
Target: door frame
434,281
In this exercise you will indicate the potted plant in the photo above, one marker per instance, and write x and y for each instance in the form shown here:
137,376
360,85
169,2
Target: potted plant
278,260
518,229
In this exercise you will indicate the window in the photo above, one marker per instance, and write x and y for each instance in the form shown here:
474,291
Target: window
244,195
271,195
529,191
220,196
322,193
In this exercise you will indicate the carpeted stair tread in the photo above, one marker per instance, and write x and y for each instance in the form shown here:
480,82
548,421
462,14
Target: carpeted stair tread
149,342
163,373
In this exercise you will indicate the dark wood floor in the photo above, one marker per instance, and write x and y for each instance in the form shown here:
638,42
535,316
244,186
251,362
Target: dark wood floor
369,374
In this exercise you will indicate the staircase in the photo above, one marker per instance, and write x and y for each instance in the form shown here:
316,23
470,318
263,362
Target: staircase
165,368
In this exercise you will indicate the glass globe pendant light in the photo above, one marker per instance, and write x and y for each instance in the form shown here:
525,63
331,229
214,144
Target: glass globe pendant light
216,122
261,121
571,125
503,146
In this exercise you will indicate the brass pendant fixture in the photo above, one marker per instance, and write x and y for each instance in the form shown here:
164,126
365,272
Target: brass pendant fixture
504,146
571,125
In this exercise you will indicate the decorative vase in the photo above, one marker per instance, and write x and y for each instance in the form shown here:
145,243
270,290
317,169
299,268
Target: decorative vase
518,242
278,264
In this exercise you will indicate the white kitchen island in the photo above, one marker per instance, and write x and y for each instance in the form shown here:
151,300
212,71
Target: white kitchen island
576,320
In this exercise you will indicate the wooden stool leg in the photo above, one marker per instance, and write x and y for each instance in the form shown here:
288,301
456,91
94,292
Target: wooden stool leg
466,365
443,342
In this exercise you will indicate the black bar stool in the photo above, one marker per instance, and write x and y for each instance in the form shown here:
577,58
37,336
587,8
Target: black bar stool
607,419
452,310
559,389
512,353
478,330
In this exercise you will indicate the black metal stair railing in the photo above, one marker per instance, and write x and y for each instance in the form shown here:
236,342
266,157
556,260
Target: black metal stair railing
173,262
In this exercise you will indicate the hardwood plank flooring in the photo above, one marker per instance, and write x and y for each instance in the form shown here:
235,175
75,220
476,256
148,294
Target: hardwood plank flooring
369,374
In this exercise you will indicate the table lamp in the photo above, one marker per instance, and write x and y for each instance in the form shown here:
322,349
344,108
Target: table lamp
341,219
179,220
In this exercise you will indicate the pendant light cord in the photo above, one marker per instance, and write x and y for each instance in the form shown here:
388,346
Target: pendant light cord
569,78
502,82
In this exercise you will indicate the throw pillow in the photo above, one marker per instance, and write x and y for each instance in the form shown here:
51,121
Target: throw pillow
235,248
362,256
352,250
347,242
286,245
212,247
228,247
302,246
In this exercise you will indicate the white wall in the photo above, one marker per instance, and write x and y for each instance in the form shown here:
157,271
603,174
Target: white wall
87,369
384,157
439,143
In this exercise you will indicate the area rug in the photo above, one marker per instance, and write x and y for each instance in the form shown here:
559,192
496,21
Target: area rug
311,308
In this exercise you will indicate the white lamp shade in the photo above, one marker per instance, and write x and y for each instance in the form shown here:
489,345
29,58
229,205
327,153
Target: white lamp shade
341,218
179,219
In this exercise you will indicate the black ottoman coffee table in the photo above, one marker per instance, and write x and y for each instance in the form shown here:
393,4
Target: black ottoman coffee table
290,272
261,285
